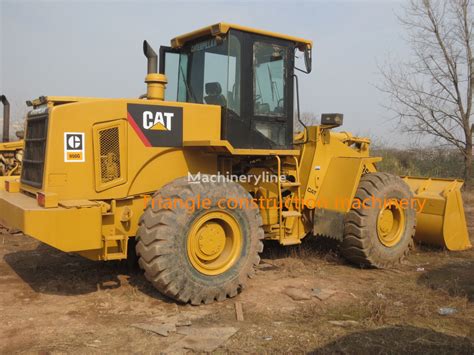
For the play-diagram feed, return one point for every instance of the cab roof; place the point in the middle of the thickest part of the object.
(223, 28)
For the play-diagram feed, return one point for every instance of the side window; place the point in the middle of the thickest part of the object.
(233, 81)
(176, 74)
(215, 78)
(183, 89)
(172, 74)
(220, 84)
(269, 62)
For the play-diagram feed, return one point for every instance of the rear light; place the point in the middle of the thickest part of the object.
(41, 199)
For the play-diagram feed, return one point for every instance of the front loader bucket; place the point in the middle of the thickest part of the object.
(441, 219)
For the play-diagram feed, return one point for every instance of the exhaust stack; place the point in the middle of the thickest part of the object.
(6, 118)
(156, 83)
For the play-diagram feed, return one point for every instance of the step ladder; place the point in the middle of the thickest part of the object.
(115, 247)
(285, 215)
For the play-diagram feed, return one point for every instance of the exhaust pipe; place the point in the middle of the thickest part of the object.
(156, 83)
(152, 58)
(6, 118)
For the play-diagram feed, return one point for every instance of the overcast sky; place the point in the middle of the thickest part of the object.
(94, 48)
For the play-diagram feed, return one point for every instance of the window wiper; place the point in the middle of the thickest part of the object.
(188, 89)
(271, 82)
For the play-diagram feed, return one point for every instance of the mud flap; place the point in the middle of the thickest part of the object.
(440, 216)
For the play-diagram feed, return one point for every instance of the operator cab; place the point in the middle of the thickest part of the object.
(249, 73)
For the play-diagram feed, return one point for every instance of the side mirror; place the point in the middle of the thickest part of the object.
(308, 59)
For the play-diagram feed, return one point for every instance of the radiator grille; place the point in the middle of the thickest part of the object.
(109, 154)
(35, 150)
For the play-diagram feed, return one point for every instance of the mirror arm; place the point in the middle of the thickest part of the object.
(295, 77)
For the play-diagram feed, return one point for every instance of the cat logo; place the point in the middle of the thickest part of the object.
(160, 121)
(157, 126)
(74, 151)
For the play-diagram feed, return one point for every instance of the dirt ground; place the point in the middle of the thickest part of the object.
(52, 302)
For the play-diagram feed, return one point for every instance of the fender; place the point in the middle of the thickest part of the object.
(337, 192)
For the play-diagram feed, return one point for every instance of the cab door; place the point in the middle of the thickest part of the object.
(272, 94)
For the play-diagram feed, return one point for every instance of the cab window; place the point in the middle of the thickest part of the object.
(209, 73)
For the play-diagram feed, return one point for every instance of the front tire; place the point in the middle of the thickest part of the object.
(203, 255)
(379, 236)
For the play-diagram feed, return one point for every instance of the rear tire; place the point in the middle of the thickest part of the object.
(199, 256)
(379, 237)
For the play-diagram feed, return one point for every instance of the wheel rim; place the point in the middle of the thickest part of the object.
(390, 224)
(214, 243)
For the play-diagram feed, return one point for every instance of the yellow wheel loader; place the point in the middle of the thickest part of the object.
(193, 178)
(11, 153)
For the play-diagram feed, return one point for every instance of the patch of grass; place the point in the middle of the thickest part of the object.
(356, 311)
(429, 162)
(377, 311)
(310, 247)
(468, 197)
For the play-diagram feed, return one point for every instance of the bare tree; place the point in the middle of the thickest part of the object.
(432, 92)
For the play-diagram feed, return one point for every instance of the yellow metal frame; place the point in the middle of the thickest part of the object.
(223, 27)
(67, 229)
(3, 179)
(225, 147)
(11, 146)
(332, 164)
